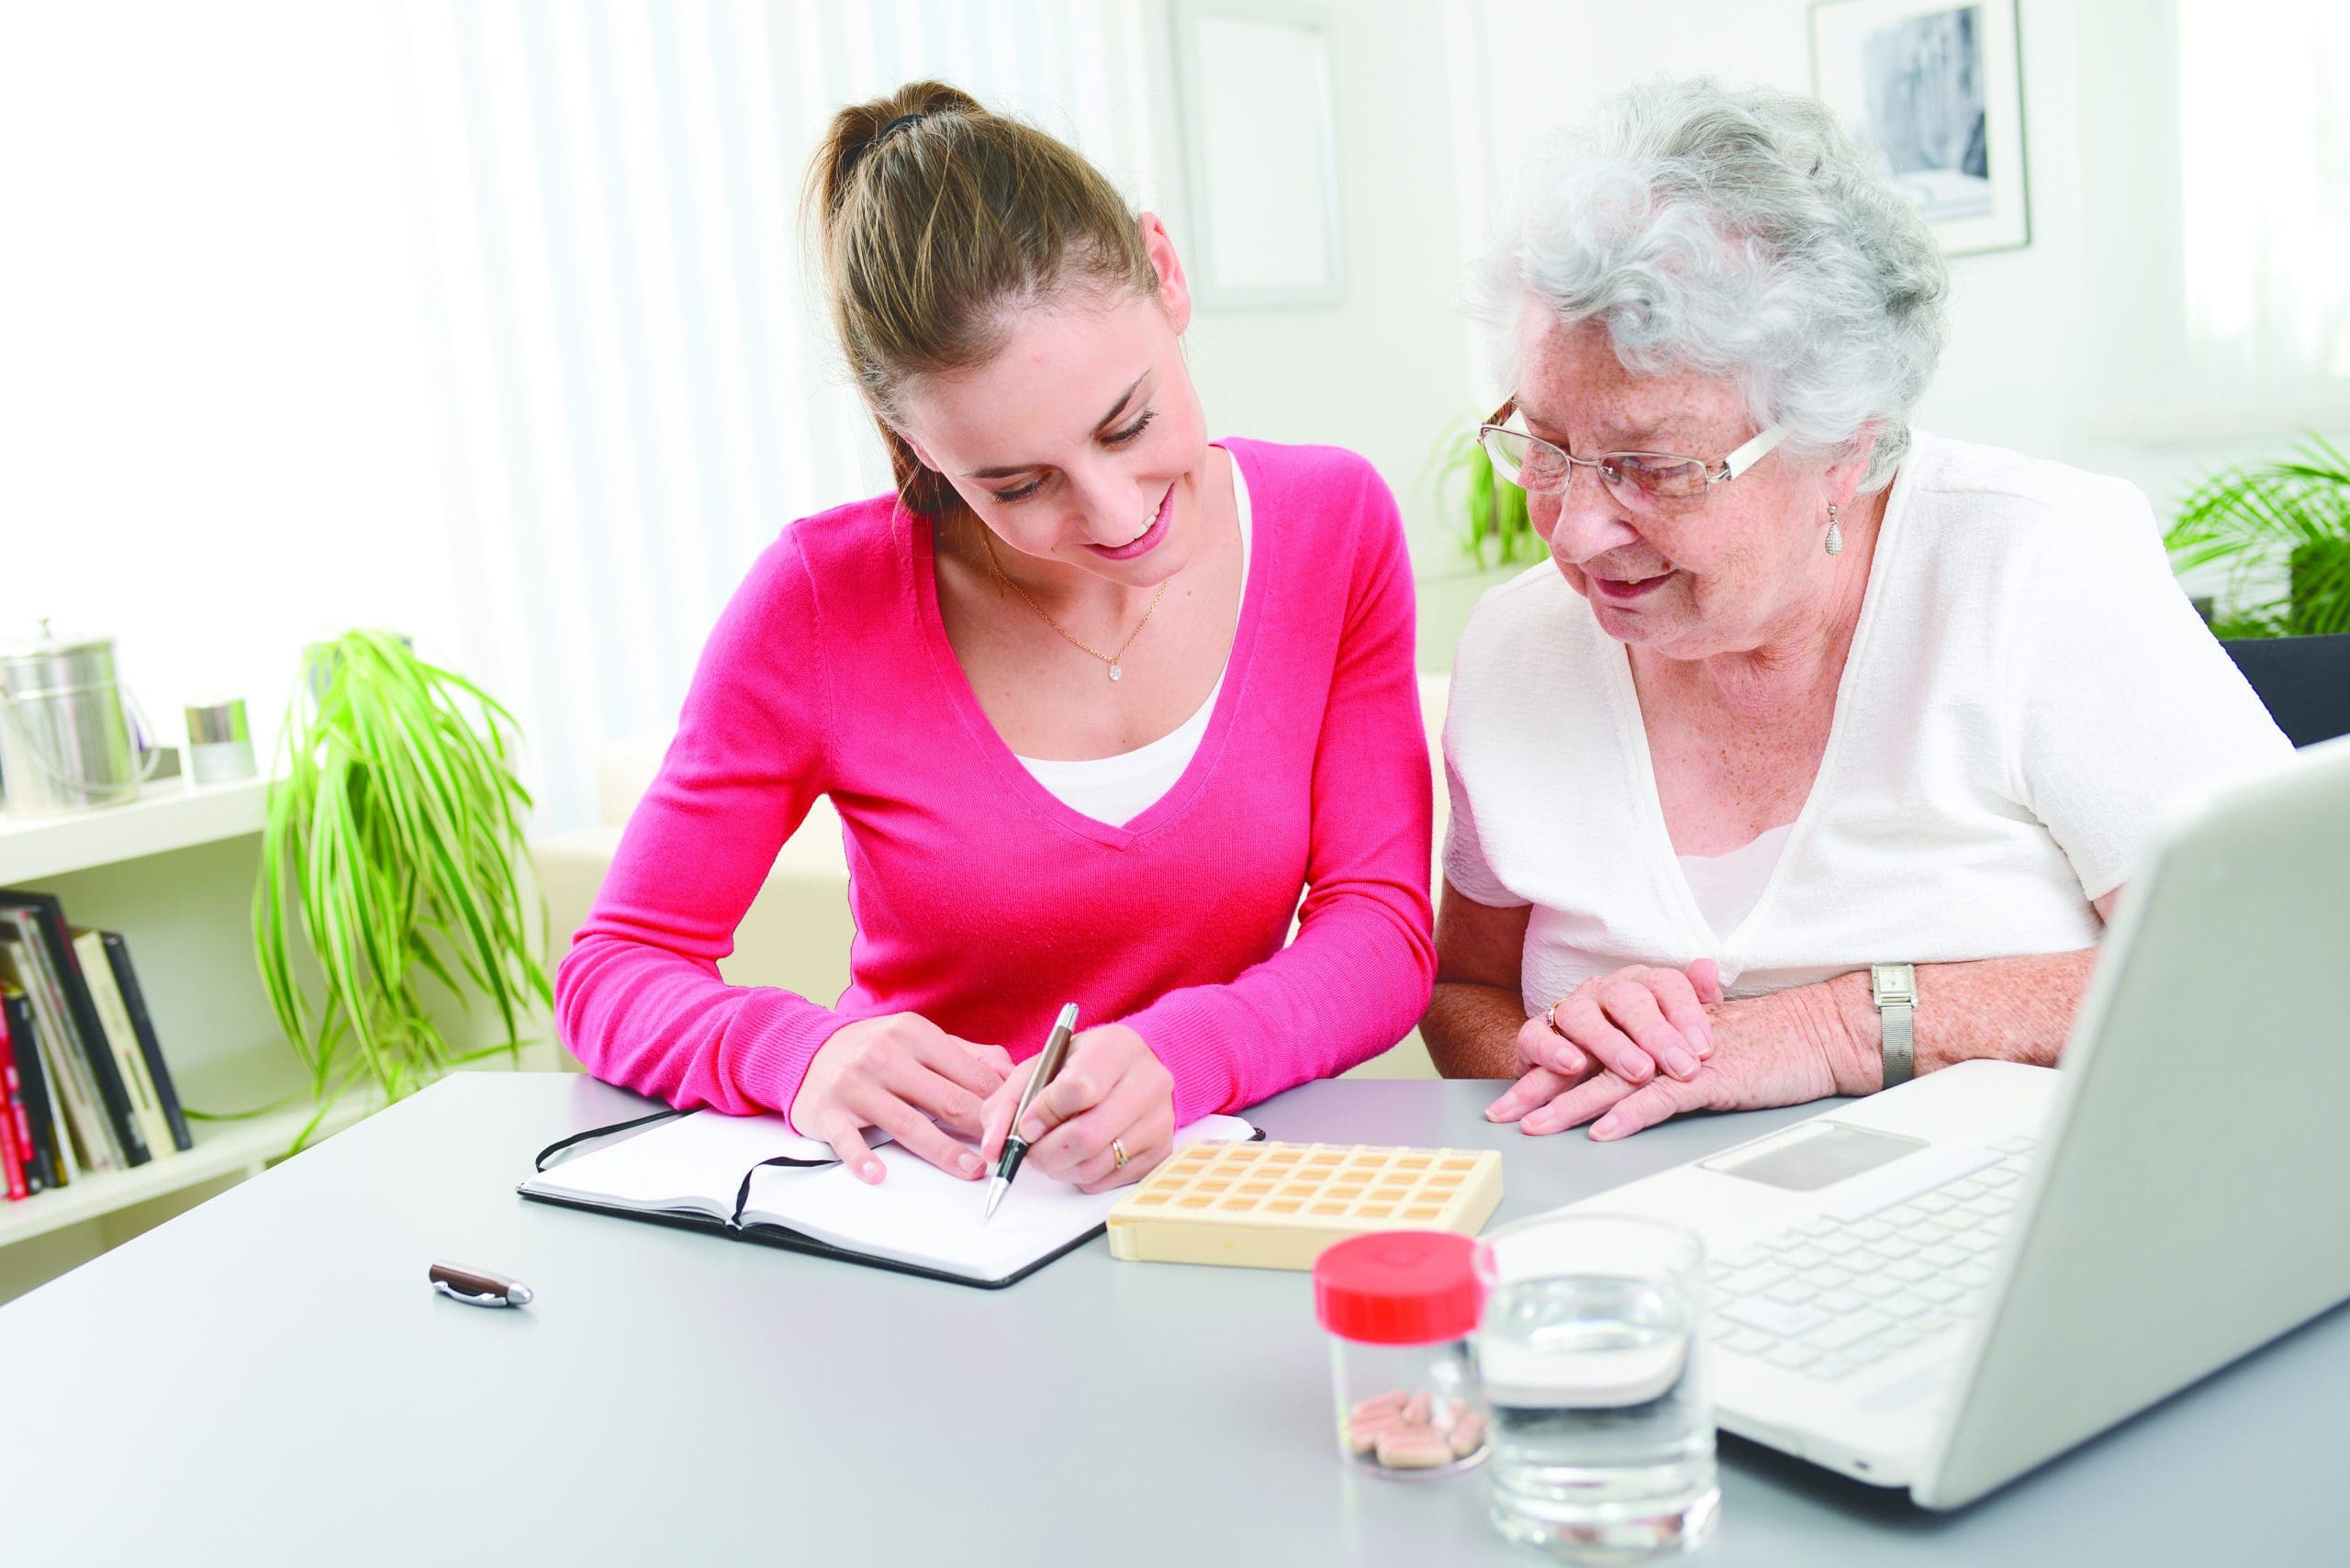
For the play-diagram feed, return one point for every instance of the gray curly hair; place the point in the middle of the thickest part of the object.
(1736, 232)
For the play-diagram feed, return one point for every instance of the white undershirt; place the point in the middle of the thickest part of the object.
(1727, 886)
(1116, 789)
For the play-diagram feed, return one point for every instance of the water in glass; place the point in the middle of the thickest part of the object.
(1602, 1429)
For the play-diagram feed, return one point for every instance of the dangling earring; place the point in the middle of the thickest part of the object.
(1835, 534)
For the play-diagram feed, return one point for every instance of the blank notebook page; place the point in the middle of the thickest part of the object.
(922, 1216)
(695, 1163)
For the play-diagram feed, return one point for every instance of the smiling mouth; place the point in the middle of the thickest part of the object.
(1144, 541)
(1619, 589)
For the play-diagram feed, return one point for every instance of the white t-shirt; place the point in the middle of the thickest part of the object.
(2026, 691)
(1116, 789)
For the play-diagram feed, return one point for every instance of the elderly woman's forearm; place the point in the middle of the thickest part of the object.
(1472, 1030)
(2018, 1009)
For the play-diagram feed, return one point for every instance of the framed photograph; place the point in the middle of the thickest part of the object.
(1936, 88)
(1260, 160)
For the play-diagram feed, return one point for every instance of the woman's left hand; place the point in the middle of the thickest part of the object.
(1112, 1096)
(1768, 1051)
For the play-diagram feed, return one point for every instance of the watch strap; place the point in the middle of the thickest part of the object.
(1894, 988)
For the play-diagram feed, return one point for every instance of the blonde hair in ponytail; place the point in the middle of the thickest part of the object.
(936, 220)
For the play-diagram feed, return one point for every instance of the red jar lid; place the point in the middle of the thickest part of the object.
(1398, 1287)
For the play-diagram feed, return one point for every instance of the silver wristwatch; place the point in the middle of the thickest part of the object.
(1894, 988)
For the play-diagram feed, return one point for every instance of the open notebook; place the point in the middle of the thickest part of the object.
(752, 1179)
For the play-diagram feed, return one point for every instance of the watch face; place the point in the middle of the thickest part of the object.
(1884, 976)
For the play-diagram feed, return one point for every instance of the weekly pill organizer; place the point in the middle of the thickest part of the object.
(1277, 1205)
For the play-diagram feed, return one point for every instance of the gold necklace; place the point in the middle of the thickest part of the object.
(1117, 670)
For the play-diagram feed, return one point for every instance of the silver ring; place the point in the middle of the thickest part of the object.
(1117, 1155)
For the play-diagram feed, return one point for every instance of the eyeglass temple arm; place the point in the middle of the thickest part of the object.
(1753, 452)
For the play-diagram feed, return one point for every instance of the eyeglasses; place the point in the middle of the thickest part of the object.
(1645, 481)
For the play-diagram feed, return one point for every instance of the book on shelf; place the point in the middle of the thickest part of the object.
(122, 1038)
(19, 1154)
(84, 1144)
(83, 1084)
(35, 925)
(15, 1168)
(151, 1049)
(39, 1130)
(12, 1164)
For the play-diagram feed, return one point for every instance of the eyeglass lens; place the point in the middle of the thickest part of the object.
(1633, 476)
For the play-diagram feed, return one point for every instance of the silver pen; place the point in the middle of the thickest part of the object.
(1015, 1148)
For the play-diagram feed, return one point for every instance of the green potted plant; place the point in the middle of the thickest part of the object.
(1486, 507)
(393, 851)
(2282, 530)
(2260, 516)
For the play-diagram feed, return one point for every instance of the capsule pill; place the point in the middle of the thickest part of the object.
(1414, 1447)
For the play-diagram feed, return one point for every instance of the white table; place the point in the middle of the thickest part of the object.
(270, 1380)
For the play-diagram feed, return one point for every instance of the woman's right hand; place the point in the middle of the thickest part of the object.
(1633, 1023)
(908, 1077)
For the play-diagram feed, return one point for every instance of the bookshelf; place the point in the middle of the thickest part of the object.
(173, 871)
(166, 816)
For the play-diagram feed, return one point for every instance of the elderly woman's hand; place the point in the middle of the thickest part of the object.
(1631, 1024)
(1768, 1051)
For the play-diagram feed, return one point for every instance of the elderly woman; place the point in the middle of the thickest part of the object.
(1820, 750)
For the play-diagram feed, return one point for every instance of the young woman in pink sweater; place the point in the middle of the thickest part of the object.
(1095, 700)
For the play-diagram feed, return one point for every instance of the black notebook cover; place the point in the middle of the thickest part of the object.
(43, 1169)
(50, 920)
(151, 1049)
(792, 1241)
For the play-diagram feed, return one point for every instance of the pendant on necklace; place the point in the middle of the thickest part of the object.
(1117, 672)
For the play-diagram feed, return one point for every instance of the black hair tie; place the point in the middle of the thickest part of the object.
(882, 136)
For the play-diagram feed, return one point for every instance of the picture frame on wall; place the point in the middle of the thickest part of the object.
(1260, 160)
(1936, 88)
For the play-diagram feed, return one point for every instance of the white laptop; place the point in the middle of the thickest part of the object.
(1943, 1285)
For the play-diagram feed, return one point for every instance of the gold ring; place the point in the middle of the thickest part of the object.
(1117, 1155)
(1551, 1018)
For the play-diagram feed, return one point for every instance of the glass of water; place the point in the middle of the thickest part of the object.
(1591, 1352)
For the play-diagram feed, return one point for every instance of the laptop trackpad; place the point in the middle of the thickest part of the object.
(1928, 1385)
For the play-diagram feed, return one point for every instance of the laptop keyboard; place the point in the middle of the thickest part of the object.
(1893, 1263)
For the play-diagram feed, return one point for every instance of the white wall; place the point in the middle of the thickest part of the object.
(1381, 369)
(213, 439)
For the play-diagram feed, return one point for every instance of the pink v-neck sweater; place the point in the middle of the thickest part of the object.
(983, 903)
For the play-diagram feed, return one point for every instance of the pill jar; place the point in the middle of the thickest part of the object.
(1401, 1307)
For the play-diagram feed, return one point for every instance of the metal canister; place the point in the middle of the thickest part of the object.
(65, 743)
(219, 743)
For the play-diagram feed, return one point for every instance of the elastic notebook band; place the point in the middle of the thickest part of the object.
(743, 1193)
(561, 1144)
